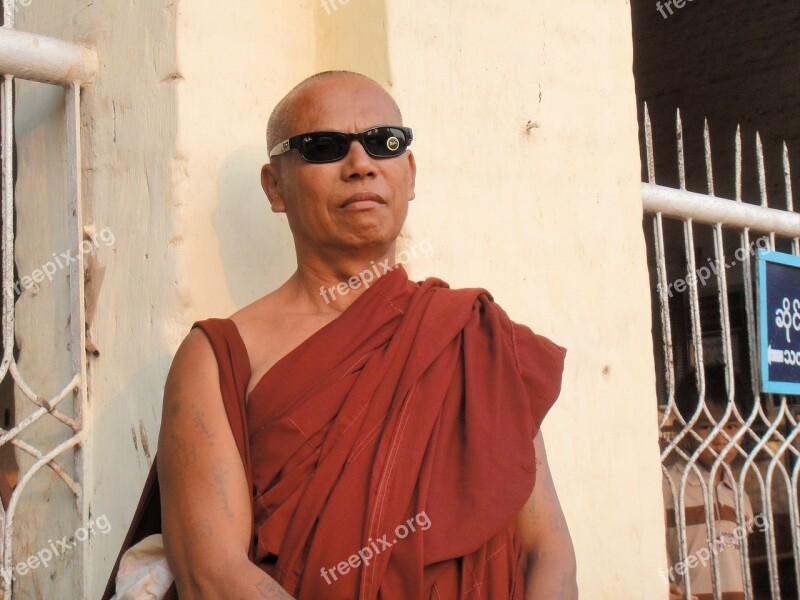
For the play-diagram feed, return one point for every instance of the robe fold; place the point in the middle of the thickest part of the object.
(392, 450)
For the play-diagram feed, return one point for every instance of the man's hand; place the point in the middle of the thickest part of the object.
(205, 503)
(551, 572)
(676, 592)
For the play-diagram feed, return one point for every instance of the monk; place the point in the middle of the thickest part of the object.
(392, 426)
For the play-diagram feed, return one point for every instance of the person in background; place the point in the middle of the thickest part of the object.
(729, 533)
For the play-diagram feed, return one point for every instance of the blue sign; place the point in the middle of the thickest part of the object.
(779, 321)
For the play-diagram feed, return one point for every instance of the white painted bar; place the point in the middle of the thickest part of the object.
(681, 204)
(45, 59)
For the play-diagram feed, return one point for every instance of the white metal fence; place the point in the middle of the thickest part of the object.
(703, 278)
(49, 61)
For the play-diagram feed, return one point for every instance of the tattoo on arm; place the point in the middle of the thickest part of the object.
(220, 481)
(557, 524)
(564, 586)
(184, 453)
(201, 530)
(270, 590)
(199, 417)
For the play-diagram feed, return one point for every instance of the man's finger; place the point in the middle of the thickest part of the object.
(676, 592)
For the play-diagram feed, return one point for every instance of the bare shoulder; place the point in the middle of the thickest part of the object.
(266, 309)
(260, 325)
(194, 363)
(273, 326)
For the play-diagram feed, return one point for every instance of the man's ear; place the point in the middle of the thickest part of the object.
(412, 173)
(270, 183)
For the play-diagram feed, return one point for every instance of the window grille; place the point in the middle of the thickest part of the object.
(47, 61)
(709, 244)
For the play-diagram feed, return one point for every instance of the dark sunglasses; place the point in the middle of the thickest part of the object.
(330, 146)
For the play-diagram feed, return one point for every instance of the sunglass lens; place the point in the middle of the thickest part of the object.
(324, 147)
(384, 142)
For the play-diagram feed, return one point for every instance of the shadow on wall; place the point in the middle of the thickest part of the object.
(255, 244)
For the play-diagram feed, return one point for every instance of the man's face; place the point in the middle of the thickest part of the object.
(357, 202)
(703, 428)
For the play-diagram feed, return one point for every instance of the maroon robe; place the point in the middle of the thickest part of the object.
(417, 400)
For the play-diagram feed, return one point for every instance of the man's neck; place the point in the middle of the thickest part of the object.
(707, 469)
(333, 285)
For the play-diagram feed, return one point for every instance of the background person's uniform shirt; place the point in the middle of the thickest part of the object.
(726, 545)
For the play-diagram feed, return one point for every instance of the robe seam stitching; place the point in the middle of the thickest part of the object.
(305, 437)
(477, 584)
(354, 365)
(356, 417)
(401, 428)
(391, 303)
(363, 444)
(488, 558)
(514, 345)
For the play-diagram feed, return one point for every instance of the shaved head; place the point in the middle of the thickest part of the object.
(283, 117)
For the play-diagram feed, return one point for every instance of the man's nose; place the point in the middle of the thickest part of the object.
(357, 162)
(722, 437)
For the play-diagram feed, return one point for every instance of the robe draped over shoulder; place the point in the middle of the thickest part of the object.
(402, 429)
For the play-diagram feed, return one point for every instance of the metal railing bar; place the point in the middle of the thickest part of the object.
(45, 59)
(700, 208)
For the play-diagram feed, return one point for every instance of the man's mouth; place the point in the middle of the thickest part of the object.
(362, 201)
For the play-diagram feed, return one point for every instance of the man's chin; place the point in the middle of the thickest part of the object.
(708, 462)
(373, 238)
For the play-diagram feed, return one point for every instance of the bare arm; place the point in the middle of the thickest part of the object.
(206, 511)
(552, 570)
